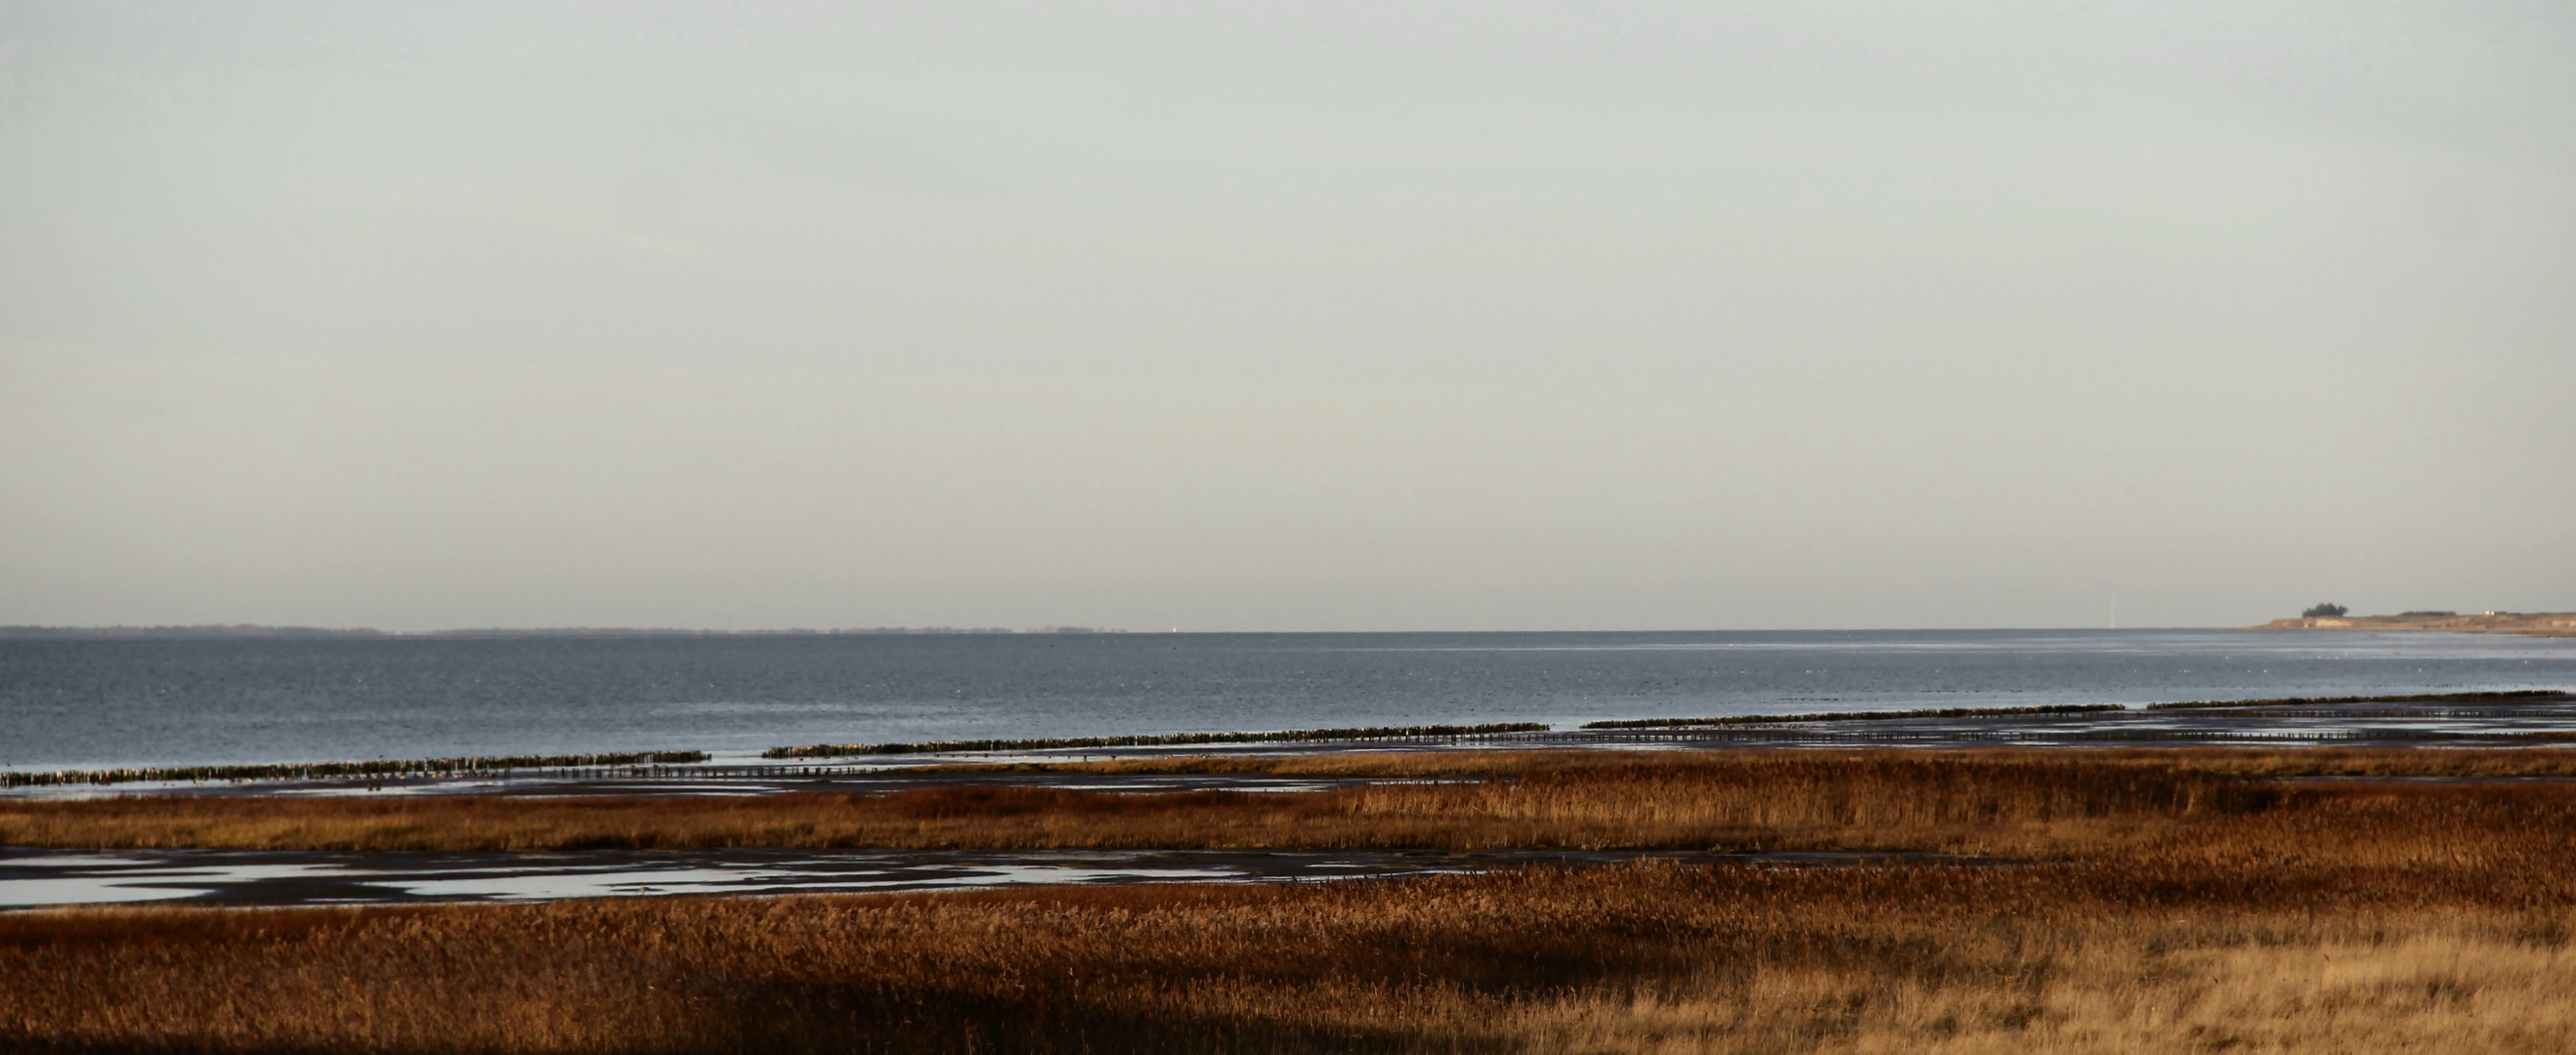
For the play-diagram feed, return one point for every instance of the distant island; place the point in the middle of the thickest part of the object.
(246, 630)
(2528, 624)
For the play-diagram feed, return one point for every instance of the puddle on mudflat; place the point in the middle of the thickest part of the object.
(257, 877)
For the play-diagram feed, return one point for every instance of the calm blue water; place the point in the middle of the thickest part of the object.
(159, 702)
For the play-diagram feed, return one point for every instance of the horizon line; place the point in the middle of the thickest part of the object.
(273, 631)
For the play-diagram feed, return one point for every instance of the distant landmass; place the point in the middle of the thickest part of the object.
(2528, 624)
(246, 630)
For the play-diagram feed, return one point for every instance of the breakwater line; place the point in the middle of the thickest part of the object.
(942, 747)
(414, 767)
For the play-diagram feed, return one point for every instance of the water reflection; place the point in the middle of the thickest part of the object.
(250, 877)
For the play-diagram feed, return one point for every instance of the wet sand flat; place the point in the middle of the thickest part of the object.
(1100, 781)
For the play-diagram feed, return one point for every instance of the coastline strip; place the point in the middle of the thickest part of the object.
(322, 770)
(1856, 716)
(941, 747)
(2516, 696)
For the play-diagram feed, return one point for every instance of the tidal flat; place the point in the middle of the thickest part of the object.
(2088, 900)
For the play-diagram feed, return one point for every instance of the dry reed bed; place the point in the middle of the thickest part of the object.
(2182, 911)
(1668, 801)
(2078, 958)
(2010, 803)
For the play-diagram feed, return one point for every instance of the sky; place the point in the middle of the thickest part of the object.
(1285, 316)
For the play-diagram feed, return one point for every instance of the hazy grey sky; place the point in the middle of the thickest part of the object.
(1284, 316)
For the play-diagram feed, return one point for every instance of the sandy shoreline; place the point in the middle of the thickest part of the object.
(2522, 624)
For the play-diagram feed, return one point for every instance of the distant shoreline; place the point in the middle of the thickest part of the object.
(2525, 624)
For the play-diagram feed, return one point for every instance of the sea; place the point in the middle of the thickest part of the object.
(95, 703)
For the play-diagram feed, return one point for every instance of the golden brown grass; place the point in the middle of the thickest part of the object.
(1732, 801)
(2177, 911)
(2003, 802)
(2093, 958)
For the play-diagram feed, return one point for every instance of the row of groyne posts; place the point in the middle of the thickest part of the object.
(877, 763)
(1574, 737)
(265, 774)
(388, 772)
(880, 762)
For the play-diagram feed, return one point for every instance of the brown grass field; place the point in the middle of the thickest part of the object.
(2157, 901)
(2018, 803)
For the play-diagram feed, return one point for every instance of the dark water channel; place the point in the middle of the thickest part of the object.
(257, 877)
